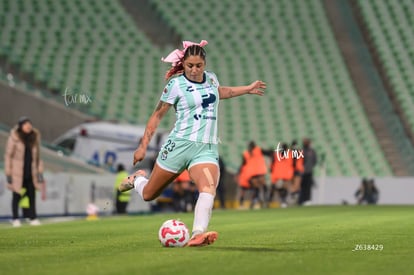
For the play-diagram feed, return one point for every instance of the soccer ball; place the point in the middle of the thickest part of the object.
(173, 233)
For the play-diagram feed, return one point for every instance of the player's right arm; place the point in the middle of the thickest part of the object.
(152, 125)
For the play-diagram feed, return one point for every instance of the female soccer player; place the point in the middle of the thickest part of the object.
(192, 144)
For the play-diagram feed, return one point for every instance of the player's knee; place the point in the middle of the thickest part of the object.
(209, 183)
(211, 189)
(148, 196)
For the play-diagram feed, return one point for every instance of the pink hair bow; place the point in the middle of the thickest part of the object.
(177, 55)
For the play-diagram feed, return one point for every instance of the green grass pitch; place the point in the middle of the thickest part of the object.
(308, 240)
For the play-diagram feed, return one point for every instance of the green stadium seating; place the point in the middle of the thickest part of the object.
(390, 25)
(95, 45)
(309, 89)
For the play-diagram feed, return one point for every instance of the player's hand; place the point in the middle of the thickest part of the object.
(257, 87)
(139, 155)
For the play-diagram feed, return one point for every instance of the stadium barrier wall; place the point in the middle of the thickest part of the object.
(69, 194)
(340, 190)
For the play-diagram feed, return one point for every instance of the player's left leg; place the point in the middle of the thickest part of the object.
(205, 176)
(128, 182)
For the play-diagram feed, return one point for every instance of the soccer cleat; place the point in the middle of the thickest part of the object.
(128, 183)
(35, 222)
(203, 239)
(16, 223)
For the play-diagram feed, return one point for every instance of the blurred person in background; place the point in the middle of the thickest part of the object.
(298, 169)
(24, 170)
(244, 185)
(281, 174)
(184, 193)
(121, 198)
(367, 193)
(255, 169)
(309, 162)
(221, 190)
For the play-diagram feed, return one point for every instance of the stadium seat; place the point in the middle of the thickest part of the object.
(390, 26)
(95, 45)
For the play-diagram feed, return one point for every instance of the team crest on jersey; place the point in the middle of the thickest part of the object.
(164, 154)
(213, 82)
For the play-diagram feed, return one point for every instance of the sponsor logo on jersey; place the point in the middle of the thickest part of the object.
(198, 116)
(207, 100)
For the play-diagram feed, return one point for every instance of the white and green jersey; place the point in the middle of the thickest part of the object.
(196, 107)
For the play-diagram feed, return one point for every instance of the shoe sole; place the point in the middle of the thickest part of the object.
(203, 240)
(125, 186)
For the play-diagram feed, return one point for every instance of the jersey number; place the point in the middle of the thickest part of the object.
(170, 145)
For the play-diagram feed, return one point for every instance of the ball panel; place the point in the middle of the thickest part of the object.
(173, 233)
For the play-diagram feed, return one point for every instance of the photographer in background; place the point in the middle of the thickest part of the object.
(367, 193)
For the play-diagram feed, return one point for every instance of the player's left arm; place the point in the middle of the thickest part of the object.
(255, 88)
